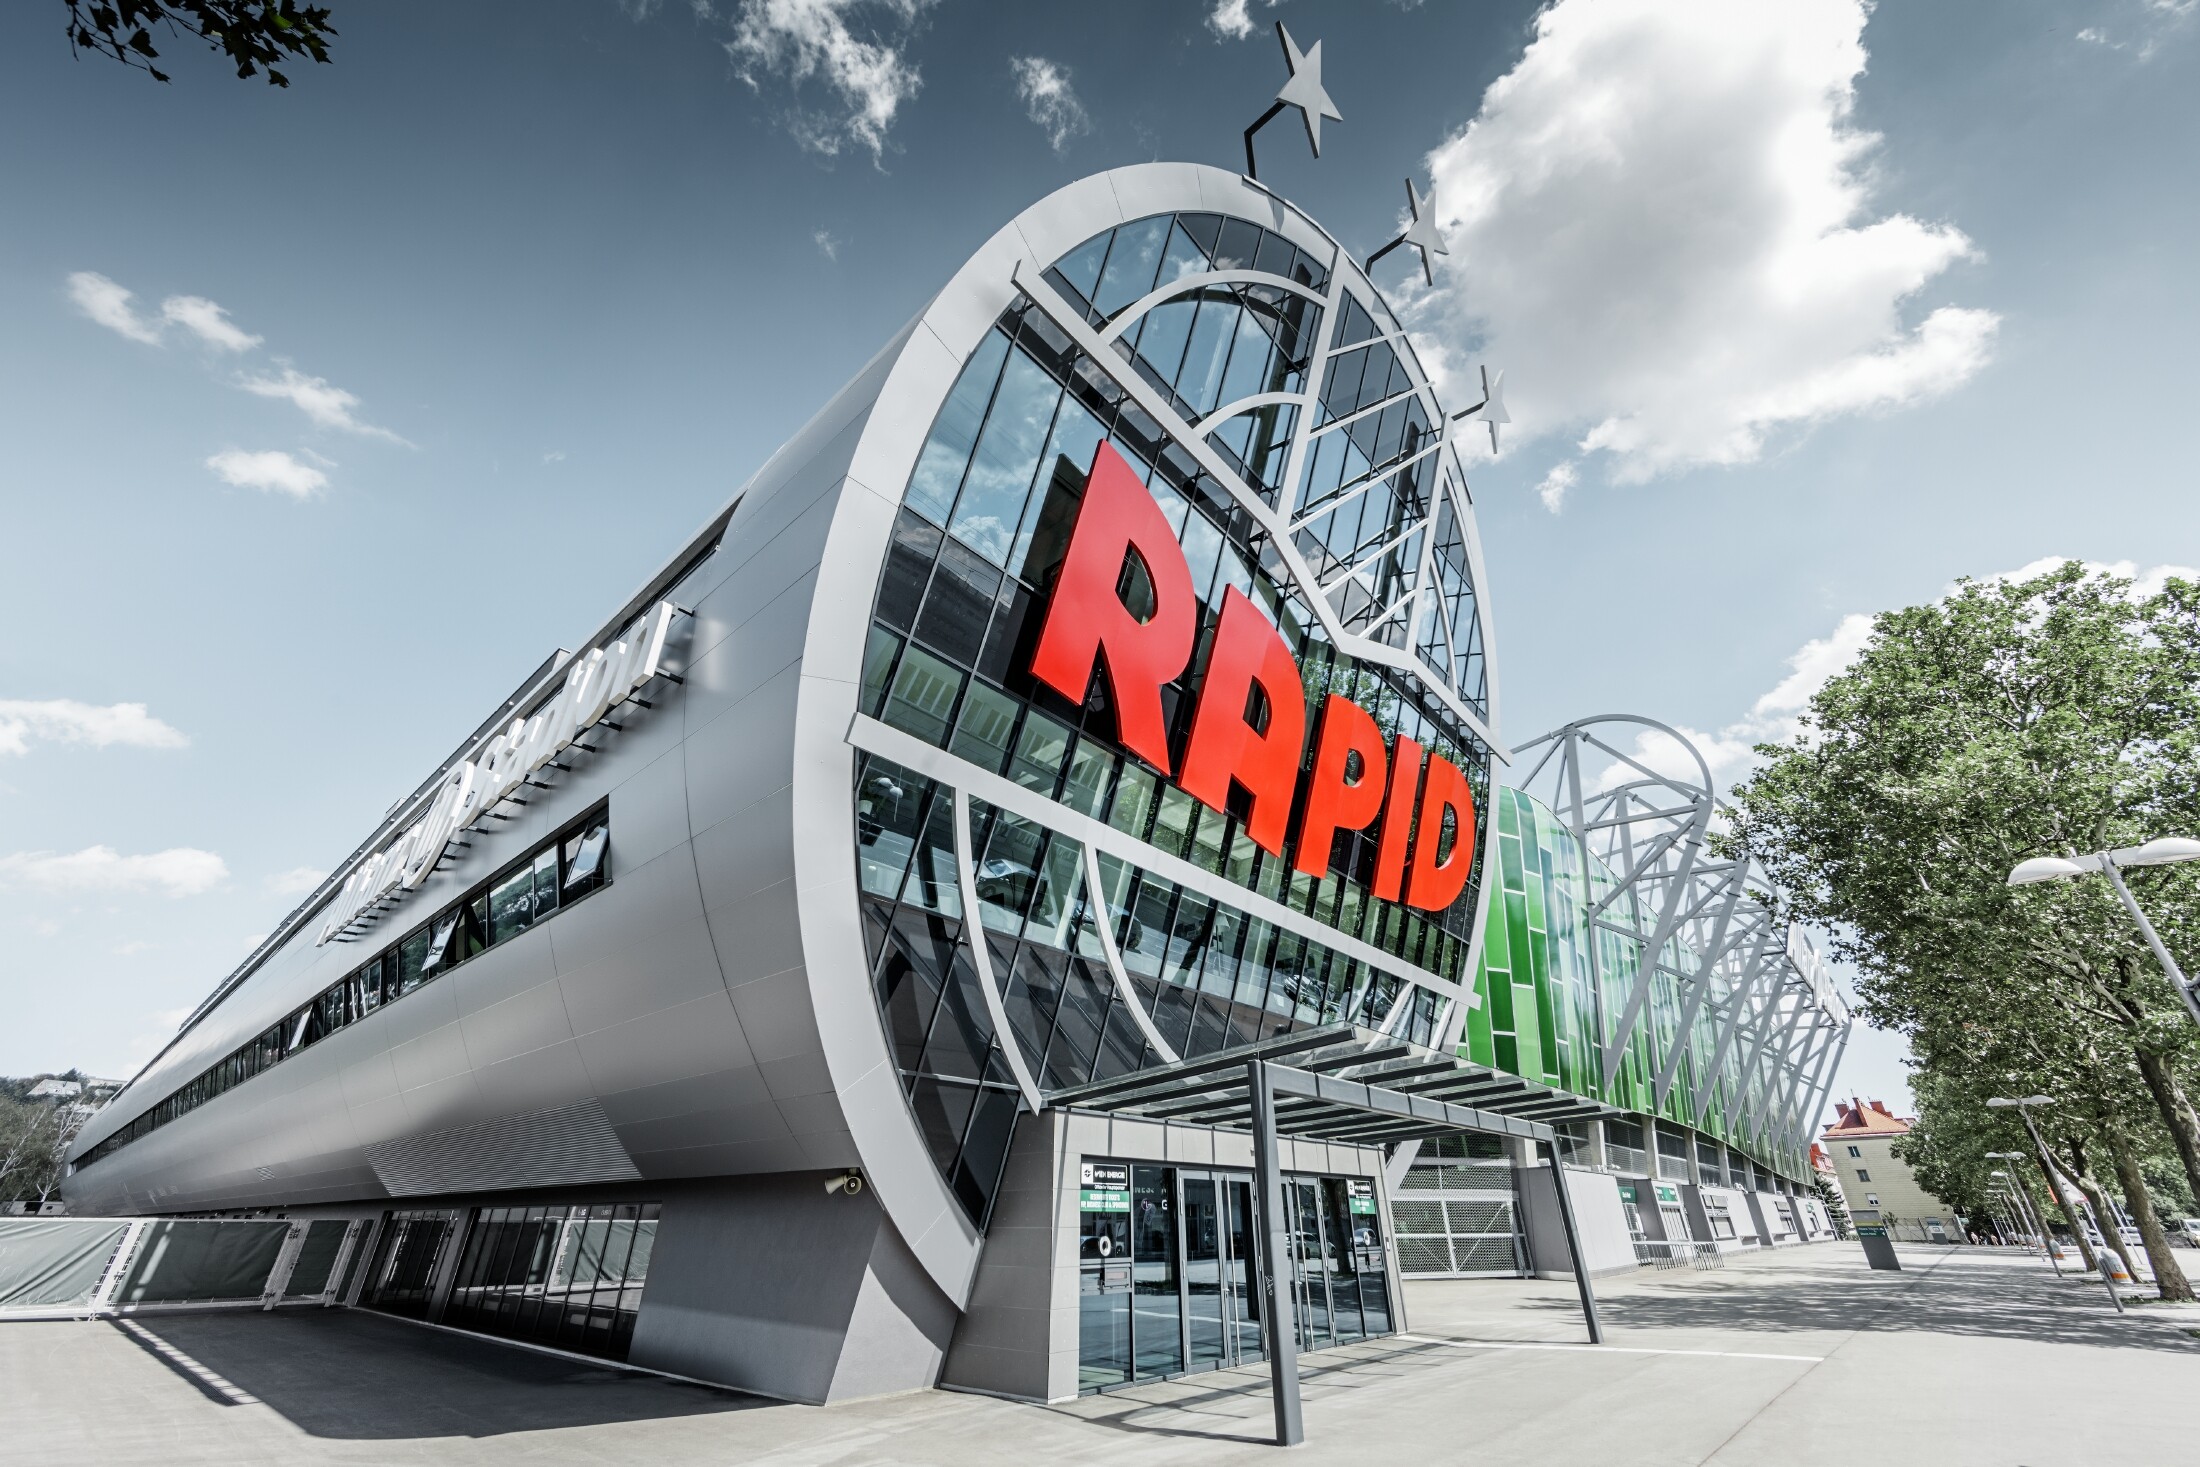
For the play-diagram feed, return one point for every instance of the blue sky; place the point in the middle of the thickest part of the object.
(427, 361)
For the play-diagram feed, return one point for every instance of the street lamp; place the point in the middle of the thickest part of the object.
(2165, 850)
(2023, 1108)
(2031, 1217)
(2022, 1199)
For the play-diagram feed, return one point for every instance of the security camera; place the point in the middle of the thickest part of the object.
(849, 1181)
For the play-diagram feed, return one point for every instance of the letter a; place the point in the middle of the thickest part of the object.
(1333, 803)
(1248, 652)
(1087, 620)
(1429, 886)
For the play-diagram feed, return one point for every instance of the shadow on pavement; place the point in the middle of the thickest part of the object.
(350, 1374)
(1954, 1296)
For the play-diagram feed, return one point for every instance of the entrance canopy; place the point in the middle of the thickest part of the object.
(1339, 1083)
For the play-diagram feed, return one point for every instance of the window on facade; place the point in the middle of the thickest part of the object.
(557, 873)
(1856, 1151)
(1863, 1175)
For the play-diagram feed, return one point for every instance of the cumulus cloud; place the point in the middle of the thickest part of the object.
(328, 405)
(1552, 491)
(1230, 20)
(869, 75)
(101, 870)
(66, 721)
(271, 469)
(109, 304)
(207, 321)
(1660, 224)
(828, 243)
(295, 882)
(1043, 87)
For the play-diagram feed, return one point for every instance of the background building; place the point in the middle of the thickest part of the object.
(831, 978)
(1878, 1185)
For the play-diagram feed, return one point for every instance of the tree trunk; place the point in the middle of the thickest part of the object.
(2070, 1215)
(2177, 1113)
(2169, 1279)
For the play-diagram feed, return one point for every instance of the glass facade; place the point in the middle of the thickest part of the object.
(986, 519)
(570, 1277)
(559, 872)
(1543, 1011)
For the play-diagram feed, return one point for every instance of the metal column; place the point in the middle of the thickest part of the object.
(1278, 1298)
(1573, 1246)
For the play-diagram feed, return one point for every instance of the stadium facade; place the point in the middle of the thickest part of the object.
(1102, 683)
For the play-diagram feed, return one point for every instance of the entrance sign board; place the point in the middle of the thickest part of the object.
(595, 683)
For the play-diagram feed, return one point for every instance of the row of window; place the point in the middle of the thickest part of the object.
(559, 872)
(909, 688)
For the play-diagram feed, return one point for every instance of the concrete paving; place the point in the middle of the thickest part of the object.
(1800, 1358)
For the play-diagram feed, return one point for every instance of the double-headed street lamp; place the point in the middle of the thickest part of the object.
(2165, 850)
(2023, 1108)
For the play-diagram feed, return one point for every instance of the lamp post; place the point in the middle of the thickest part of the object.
(2023, 1108)
(2165, 850)
(2030, 1215)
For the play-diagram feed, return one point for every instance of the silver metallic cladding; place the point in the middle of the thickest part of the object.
(714, 998)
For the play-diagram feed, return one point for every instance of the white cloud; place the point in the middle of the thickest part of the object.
(800, 39)
(180, 872)
(109, 304)
(1552, 491)
(295, 882)
(1043, 87)
(328, 405)
(208, 321)
(1659, 225)
(66, 721)
(828, 243)
(1230, 20)
(270, 469)
(1810, 668)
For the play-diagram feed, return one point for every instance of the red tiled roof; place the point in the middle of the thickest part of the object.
(1859, 1117)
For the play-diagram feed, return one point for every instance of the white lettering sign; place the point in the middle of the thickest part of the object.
(595, 683)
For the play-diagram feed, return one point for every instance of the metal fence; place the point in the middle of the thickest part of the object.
(1685, 1253)
(78, 1268)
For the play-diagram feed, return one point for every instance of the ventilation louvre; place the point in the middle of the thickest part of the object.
(545, 1148)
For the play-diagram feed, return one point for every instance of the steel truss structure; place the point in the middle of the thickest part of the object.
(1710, 1011)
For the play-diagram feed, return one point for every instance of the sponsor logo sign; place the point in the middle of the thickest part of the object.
(595, 683)
(1357, 782)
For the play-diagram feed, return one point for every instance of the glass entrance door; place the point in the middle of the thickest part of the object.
(1167, 1275)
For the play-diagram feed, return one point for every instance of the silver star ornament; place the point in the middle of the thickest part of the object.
(1304, 89)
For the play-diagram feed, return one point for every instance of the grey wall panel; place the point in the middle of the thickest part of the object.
(538, 1079)
(652, 806)
(699, 1037)
(705, 1090)
(775, 1015)
(709, 1312)
(755, 1120)
(749, 850)
(430, 1058)
(517, 1024)
(487, 981)
(742, 755)
(899, 1328)
(759, 936)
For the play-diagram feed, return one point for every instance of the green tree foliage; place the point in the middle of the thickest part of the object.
(2060, 714)
(253, 34)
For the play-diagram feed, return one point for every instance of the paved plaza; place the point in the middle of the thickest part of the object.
(1800, 1357)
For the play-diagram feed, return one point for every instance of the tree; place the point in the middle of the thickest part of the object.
(1829, 1197)
(254, 34)
(2056, 714)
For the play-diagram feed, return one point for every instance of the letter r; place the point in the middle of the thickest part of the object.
(1088, 622)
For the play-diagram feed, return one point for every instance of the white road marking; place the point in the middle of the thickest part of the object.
(1603, 1349)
